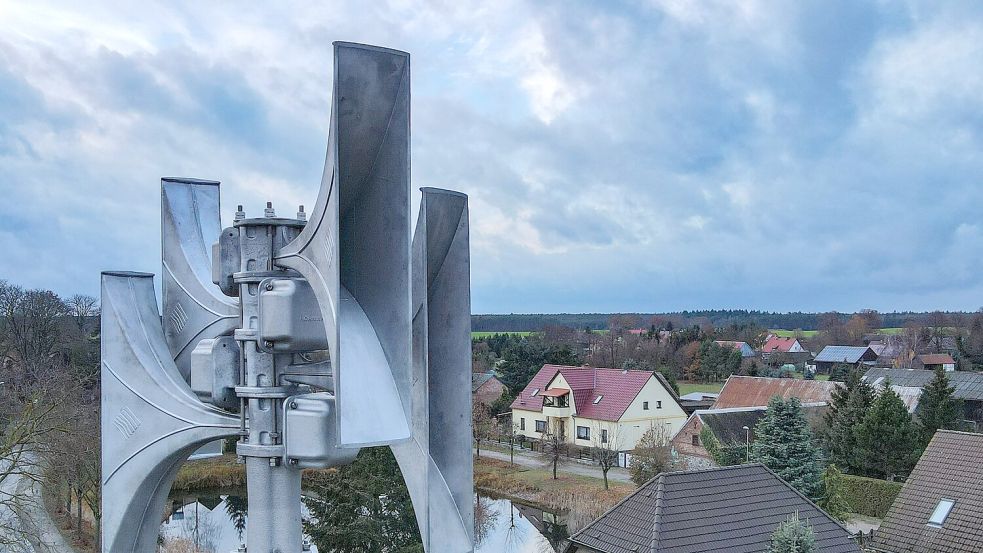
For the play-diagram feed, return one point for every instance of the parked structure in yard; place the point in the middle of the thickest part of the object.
(728, 427)
(781, 344)
(756, 391)
(858, 356)
(968, 387)
(932, 361)
(590, 406)
(718, 510)
(743, 347)
(485, 388)
(940, 507)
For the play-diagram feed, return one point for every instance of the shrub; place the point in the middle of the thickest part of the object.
(869, 496)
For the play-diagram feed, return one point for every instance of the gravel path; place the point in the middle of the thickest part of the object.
(26, 519)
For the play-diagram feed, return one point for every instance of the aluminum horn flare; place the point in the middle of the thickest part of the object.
(194, 308)
(437, 463)
(151, 420)
(358, 240)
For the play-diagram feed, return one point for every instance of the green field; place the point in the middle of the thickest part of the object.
(690, 387)
(479, 335)
(811, 333)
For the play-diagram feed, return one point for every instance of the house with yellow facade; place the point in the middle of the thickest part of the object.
(590, 407)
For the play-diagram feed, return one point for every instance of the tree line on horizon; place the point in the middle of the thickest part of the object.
(806, 321)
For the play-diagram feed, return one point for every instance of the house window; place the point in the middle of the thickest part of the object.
(583, 433)
(604, 436)
(658, 405)
(696, 440)
(645, 406)
(598, 399)
(541, 426)
(522, 423)
(941, 512)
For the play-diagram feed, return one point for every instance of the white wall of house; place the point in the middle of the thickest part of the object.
(796, 348)
(654, 405)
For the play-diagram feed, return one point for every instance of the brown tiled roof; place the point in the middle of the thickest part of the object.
(936, 359)
(951, 469)
(730, 509)
(754, 391)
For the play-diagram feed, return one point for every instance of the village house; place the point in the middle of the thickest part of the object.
(757, 391)
(941, 504)
(485, 388)
(743, 347)
(932, 361)
(733, 428)
(781, 344)
(856, 356)
(967, 385)
(589, 406)
(731, 509)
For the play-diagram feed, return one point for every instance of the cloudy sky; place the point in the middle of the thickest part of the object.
(649, 155)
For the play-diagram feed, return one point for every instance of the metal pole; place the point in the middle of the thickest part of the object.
(274, 524)
(747, 444)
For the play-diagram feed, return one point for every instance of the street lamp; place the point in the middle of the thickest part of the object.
(747, 444)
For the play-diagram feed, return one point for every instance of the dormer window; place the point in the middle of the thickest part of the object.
(598, 399)
(941, 512)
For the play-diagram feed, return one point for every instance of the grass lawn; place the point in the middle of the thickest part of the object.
(690, 387)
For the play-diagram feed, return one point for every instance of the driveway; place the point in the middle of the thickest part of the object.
(566, 466)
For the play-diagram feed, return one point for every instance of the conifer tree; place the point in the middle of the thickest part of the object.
(888, 440)
(793, 536)
(850, 404)
(833, 500)
(937, 409)
(783, 443)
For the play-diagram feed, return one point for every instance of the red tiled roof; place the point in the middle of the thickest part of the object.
(936, 359)
(778, 343)
(753, 391)
(730, 344)
(618, 388)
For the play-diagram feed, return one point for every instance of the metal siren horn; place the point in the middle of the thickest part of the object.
(195, 309)
(437, 463)
(355, 250)
(151, 420)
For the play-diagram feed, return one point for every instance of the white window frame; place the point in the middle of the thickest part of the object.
(586, 433)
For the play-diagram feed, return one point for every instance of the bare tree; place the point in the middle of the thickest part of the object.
(605, 448)
(482, 424)
(553, 447)
(652, 455)
(29, 321)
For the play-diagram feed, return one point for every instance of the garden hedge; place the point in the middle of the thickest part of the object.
(869, 496)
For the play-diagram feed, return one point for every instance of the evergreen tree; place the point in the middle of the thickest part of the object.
(364, 506)
(833, 500)
(840, 372)
(887, 439)
(850, 404)
(793, 536)
(937, 409)
(783, 443)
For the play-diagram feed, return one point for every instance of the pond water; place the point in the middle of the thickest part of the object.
(215, 523)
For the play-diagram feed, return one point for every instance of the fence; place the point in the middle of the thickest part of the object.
(577, 453)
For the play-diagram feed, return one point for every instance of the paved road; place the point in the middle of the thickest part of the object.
(567, 466)
(24, 519)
